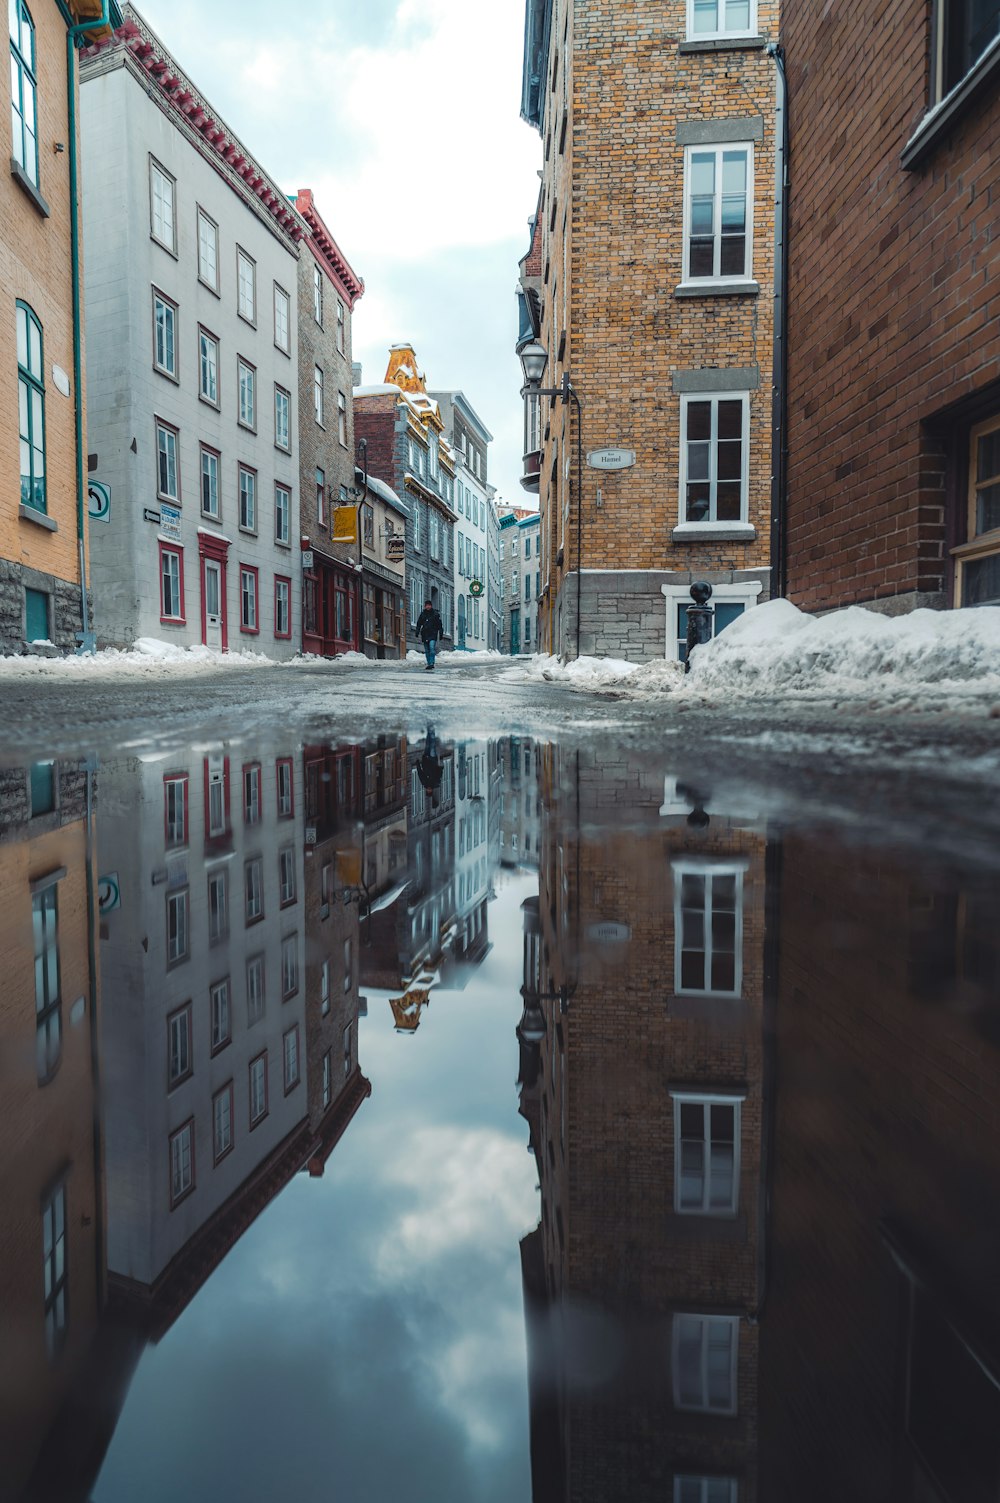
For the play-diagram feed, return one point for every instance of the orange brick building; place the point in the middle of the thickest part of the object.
(649, 283)
(42, 428)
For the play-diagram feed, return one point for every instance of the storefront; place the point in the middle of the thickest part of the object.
(331, 605)
(383, 613)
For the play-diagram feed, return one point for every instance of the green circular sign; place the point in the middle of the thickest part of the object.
(476, 587)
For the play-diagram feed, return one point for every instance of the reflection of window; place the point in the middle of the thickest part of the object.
(179, 1064)
(54, 1264)
(221, 1015)
(255, 990)
(290, 1046)
(347, 1050)
(258, 1088)
(286, 876)
(704, 1362)
(327, 1078)
(48, 1014)
(253, 881)
(175, 810)
(706, 1490)
(718, 213)
(181, 1162)
(222, 1121)
(215, 782)
(324, 989)
(289, 967)
(285, 790)
(708, 929)
(706, 1155)
(218, 906)
(347, 965)
(177, 926)
(251, 794)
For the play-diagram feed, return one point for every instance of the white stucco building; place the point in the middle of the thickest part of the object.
(470, 439)
(520, 574)
(191, 271)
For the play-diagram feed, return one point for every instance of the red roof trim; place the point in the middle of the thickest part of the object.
(327, 251)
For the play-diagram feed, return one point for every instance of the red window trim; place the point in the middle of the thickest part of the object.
(283, 636)
(250, 631)
(186, 1007)
(217, 1158)
(255, 1122)
(249, 767)
(175, 1201)
(290, 764)
(177, 549)
(298, 1059)
(176, 777)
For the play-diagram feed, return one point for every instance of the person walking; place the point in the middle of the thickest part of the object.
(429, 628)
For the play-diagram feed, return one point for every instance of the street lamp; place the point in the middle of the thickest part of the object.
(534, 358)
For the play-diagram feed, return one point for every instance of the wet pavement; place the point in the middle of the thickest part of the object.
(285, 1008)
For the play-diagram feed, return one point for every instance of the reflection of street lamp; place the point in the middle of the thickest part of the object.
(534, 358)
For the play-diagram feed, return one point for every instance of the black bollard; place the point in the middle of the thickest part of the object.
(699, 619)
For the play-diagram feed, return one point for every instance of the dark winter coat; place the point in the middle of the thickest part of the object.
(429, 625)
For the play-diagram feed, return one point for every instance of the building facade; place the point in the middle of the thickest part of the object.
(191, 294)
(43, 540)
(893, 487)
(649, 285)
(383, 577)
(470, 439)
(328, 290)
(403, 431)
(520, 542)
(493, 602)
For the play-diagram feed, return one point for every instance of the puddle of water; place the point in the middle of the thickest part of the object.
(276, 1029)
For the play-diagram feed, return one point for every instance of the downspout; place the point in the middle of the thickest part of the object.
(88, 640)
(779, 405)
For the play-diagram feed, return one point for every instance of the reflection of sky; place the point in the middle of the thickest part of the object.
(365, 1339)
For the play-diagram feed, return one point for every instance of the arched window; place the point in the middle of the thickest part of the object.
(31, 407)
(23, 88)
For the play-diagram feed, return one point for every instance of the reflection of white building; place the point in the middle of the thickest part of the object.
(520, 803)
(470, 439)
(203, 997)
(473, 868)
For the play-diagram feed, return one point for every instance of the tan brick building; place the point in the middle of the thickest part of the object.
(42, 428)
(643, 1083)
(649, 282)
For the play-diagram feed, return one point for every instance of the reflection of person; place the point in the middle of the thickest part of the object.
(429, 769)
(429, 628)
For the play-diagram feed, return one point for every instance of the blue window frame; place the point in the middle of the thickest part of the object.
(725, 614)
(31, 407)
(23, 89)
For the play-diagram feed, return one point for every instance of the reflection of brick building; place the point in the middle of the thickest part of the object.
(51, 1281)
(644, 1096)
(880, 1350)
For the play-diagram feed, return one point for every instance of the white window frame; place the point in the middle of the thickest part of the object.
(707, 1100)
(208, 274)
(289, 966)
(704, 1406)
(256, 999)
(222, 1123)
(170, 453)
(282, 324)
(693, 867)
(182, 1163)
(746, 594)
(318, 384)
(258, 1089)
(246, 386)
(178, 943)
(282, 514)
(342, 418)
(211, 472)
(221, 1016)
(253, 890)
(208, 365)
(247, 499)
(317, 295)
(282, 430)
(163, 225)
(286, 876)
(721, 33)
(341, 327)
(180, 1063)
(717, 279)
(704, 528)
(282, 607)
(290, 1053)
(171, 609)
(246, 282)
(167, 366)
(723, 1489)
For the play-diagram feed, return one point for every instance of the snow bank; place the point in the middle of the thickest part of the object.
(581, 673)
(147, 658)
(776, 648)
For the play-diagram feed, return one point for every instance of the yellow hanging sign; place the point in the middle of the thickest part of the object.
(345, 524)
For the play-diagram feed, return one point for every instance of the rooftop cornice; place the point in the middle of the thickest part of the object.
(153, 64)
(327, 251)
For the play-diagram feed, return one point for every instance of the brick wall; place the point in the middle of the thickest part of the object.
(320, 447)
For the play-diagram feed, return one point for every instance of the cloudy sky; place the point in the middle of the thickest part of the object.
(403, 117)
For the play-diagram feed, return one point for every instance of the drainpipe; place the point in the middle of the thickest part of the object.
(88, 640)
(779, 407)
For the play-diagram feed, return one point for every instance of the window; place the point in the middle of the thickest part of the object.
(161, 205)
(178, 914)
(714, 458)
(167, 470)
(248, 504)
(282, 418)
(208, 251)
(222, 1122)
(210, 484)
(258, 1089)
(181, 1162)
(289, 967)
(327, 1078)
(320, 497)
(48, 1009)
(434, 532)
(978, 560)
(208, 367)
(286, 875)
(290, 1048)
(248, 394)
(23, 90)
(724, 614)
(282, 607)
(341, 327)
(54, 1269)
(216, 796)
(164, 335)
(718, 213)
(706, 1155)
(527, 546)
(368, 522)
(221, 1015)
(342, 418)
(175, 811)
(347, 965)
(704, 1362)
(31, 407)
(255, 990)
(527, 587)
(721, 18)
(179, 1065)
(246, 286)
(251, 794)
(171, 584)
(324, 991)
(318, 295)
(527, 631)
(348, 1051)
(706, 1490)
(253, 885)
(286, 807)
(282, 319)
(318, 394)
(708, 930)
(282, 521)
(966, 29)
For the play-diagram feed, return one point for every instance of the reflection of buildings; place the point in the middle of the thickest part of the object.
(519, 803)
(642, 1081)
(51, 1278)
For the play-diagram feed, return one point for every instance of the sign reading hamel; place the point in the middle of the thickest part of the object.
(611, 459)
(345, 524)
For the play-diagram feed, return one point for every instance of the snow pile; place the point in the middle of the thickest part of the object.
(581, 673)
(852, 652)
(148, 657)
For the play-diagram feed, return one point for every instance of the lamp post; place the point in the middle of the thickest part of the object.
(363, 446)
(534, 358)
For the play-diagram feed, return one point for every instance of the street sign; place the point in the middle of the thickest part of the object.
(308, 562)
(170, 522)
(109, 893)
(611, 459)
(345, 524)
(98, 501)
(150, 515)
(395, 547)
(609, 933)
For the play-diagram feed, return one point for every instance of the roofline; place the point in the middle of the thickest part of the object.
(459, 399)
(332, 259)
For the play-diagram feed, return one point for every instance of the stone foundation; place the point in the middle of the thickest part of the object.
(64, 607)
(624, 614)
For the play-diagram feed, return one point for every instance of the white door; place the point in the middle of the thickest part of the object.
(212, 585)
